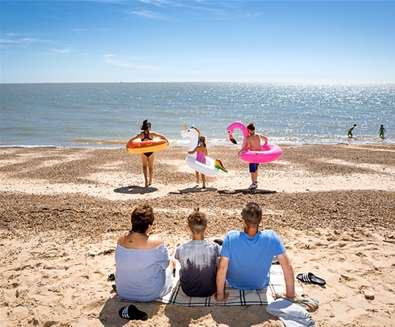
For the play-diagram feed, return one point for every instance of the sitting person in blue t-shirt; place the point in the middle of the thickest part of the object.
(246, 256)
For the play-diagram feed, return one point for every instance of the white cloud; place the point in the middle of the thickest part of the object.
(147, 14)
(158, 3)
(21, 41)
(61, 50)
(113, 60)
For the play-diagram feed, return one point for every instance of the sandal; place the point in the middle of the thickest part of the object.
(131, 312)
(367, 292)
(310, 278)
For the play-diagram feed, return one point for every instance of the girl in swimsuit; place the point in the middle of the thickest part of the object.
(148, 157)
(201, 153)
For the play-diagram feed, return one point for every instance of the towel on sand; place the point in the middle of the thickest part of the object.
(235, 297)
(291, 314)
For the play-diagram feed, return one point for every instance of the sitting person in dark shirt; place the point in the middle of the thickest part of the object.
(198, 259)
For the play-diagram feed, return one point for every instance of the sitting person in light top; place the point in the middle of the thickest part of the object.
(246, 256)
(142, 270)
(198, 259)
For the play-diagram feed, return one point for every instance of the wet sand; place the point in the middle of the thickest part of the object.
(61, 211)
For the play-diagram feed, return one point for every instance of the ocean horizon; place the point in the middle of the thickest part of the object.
(108, 114)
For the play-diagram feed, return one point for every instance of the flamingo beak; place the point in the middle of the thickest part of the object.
(231, 138)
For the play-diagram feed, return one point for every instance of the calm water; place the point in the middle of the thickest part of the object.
(71, 114)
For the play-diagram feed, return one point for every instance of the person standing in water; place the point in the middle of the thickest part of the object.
(201, 153)
(381, 132)
(253, 143)
(349, 133)
(148, 157)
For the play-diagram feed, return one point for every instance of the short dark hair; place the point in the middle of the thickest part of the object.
(251, 126)
(146, 124)
(142, 218)
(252, 214)
(197, 221)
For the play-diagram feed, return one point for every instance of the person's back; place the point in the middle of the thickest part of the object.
(198, 259)
(140, 273)
(141, 261)
(250, 258)
(246, 256)
(254, 142)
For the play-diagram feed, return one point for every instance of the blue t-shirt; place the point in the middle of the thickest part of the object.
(250, 258)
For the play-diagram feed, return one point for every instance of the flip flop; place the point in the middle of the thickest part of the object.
(130, 312)
(310, 278)
(367, 292)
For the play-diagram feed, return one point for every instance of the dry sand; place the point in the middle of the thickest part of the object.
(61, 211)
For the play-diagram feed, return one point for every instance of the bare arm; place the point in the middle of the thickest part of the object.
(245, 146)
(221, 277)
(264, 138)
(193, 151)
(138, 136)
(160, 136)
(288, 275)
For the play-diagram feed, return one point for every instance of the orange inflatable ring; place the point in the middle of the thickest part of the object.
(138, 146)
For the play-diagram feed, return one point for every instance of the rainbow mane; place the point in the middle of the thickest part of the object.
(218, 164)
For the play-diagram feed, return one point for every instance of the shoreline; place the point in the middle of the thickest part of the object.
(118, 144)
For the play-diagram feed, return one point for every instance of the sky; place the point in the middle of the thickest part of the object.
(335, 42)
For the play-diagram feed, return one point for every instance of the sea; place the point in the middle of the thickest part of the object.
(108, 114)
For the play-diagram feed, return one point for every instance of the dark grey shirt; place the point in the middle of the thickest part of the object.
(198, 261)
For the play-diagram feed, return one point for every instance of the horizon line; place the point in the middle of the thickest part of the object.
(212, 82)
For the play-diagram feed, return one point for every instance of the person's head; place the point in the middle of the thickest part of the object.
(251, 128)
(142, 218)
(146, 126)
(381, 126)
(355, 125)
(252, 215)
(197, 222)
(202, 140)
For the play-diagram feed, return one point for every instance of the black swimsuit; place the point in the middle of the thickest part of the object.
(147, 138)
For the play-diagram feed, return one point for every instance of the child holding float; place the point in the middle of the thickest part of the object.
(253, 143)
(201, 153)
(253, 151)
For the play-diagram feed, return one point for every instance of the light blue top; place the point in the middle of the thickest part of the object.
(140, 274)
(250, 258)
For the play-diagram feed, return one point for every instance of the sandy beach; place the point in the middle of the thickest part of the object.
(61, 211)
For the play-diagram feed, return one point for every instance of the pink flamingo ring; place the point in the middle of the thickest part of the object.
(268, 153)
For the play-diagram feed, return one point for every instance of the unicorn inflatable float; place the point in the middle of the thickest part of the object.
(268, 153)
(191, 140)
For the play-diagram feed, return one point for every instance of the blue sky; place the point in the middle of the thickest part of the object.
(197, 40)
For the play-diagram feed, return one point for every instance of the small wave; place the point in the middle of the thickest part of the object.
(99, 142)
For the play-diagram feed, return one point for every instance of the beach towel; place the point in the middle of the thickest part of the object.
(236, 297)
(290, 313)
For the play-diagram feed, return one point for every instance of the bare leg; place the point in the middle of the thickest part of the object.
(204, 181)
(150, 168)
(145, 168)
(197, 177)
(254, 177)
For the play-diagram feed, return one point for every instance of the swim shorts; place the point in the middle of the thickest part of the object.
(253, 167)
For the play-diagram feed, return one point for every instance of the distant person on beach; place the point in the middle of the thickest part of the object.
(142, 271)
(349, 133)
(201, 153)
(246, 256)
(381, 132)
(253, 143)
(198, 259)
(148, 157)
